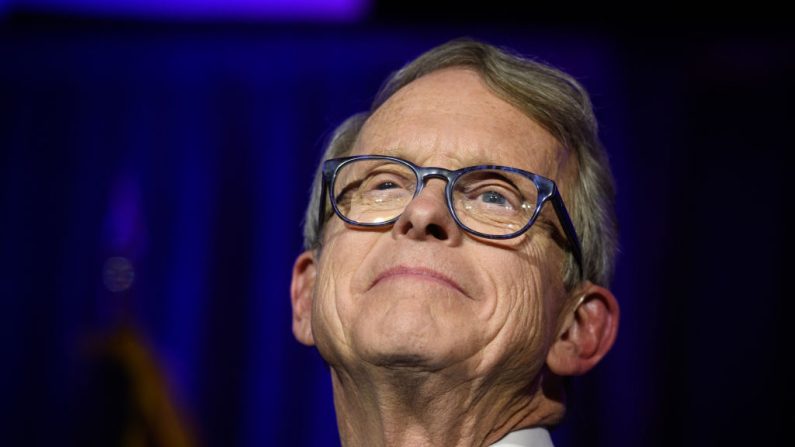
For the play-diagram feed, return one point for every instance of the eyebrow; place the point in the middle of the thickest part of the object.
(405, 154)
(486, 175)
(395, 152)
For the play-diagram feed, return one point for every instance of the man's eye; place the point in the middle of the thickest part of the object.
(386, 185)
(493, 197)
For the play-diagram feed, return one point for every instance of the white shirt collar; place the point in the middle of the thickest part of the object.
(528, 437)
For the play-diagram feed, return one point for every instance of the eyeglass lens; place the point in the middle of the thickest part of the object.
(488, 201)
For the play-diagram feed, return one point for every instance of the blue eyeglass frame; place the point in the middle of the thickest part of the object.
(547, 191)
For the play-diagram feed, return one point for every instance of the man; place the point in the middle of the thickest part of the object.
(450, 303)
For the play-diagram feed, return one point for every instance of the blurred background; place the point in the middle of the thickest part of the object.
(156, 158)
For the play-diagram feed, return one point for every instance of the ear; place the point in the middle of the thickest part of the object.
(301, 288)
(587, 333)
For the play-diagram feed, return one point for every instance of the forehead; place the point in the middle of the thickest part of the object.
(450, 118)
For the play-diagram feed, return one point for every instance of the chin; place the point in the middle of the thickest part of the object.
(420, 349)
(406, 361)
(412, 332)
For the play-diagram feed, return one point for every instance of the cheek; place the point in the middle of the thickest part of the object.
(342, 253)
(520, 324)
(326, 325)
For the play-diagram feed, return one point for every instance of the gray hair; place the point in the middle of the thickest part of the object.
(555, 100)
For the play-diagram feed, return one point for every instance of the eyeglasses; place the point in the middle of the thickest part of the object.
(492, 202)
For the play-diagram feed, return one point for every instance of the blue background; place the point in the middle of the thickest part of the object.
(189, 147)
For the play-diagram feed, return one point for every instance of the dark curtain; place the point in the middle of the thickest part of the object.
(153, 180)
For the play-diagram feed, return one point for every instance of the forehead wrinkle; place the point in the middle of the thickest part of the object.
(452, 116)
(456, 151)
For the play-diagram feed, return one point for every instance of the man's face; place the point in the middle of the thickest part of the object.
(423, 293)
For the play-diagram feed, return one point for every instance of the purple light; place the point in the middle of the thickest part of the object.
(325, 10)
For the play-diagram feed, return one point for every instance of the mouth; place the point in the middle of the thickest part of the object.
(418, 272)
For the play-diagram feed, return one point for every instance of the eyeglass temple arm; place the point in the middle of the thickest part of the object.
(322, 208)
(568, 228)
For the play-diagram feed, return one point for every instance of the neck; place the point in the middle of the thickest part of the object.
(402, 407)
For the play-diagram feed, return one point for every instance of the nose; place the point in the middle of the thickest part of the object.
(426, 217)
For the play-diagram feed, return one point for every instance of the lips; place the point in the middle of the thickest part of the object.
(421, 272)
